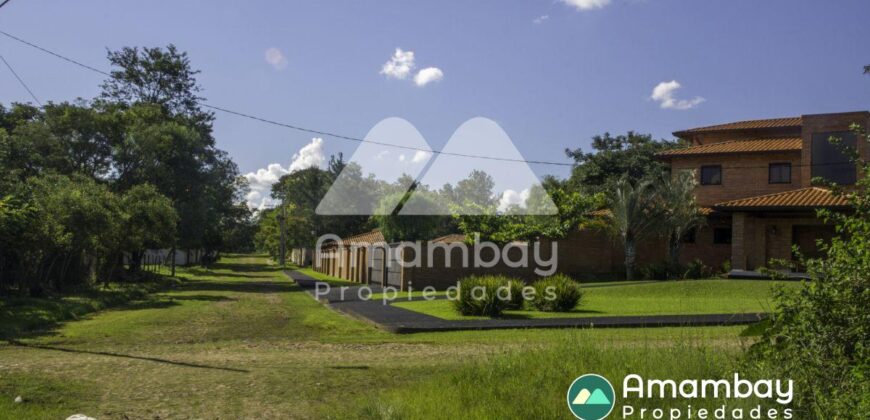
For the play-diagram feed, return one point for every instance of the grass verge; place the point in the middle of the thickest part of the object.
(659, 298)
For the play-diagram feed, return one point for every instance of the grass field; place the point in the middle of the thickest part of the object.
(240, 340)
(656, 298)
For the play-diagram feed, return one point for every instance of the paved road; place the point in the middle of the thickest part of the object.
(400, 320)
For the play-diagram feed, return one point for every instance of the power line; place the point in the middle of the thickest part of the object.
(18, 77)
(292, 126)
(335, 135)
(4, 3)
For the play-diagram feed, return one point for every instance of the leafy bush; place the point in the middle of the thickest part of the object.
(697, 270)
(485, 295)
(558, 293)
(657, 271)
(517, 301)
(820, 333)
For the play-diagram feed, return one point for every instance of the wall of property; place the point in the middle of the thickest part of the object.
(742, 175)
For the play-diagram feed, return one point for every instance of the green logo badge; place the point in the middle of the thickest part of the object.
(591, 397)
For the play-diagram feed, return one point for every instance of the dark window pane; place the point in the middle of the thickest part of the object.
(780, 173)
(722, 236)
(711, 175)
(829, 161)
(689, 237)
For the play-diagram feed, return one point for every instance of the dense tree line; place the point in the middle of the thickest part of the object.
(83, 183)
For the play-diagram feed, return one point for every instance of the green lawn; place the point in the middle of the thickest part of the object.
(242, 341)
(654, 298)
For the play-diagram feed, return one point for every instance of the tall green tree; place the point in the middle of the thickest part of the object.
(630, 155)
(633, 217)
(166, 140)
(679, 210)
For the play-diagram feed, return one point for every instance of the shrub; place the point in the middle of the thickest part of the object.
(479, 295)
(558, 293)
(657, 271)
(819, 334)
(517, 301)
(697, 270)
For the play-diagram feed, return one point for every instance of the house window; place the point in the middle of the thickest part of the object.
(722, 236)
(689, 237)
(779, 173)
(829, 161)
(711, 175)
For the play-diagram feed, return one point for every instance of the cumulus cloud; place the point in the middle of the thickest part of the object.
(399, 65)
(586, 4)
(276, 58)
(511, 197)
(540, 19)
(311, 155)
(428, 75)
(664, 92)
(420, 156)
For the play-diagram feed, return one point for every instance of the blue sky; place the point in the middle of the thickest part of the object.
(549, 82)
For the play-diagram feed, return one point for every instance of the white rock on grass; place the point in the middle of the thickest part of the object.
(19, 400)
(79, 417)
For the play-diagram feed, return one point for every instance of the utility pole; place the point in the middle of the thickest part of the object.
(282, 219)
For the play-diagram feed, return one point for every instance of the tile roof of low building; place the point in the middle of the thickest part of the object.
(785, 144)
(802, 199)
(745, 125)
(453, 237)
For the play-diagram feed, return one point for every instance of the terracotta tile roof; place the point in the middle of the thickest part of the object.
(372, 237)
(806, 198)
(745, 125)
(787, 144)
(454, 237)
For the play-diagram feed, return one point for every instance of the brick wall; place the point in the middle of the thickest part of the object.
(742, 175)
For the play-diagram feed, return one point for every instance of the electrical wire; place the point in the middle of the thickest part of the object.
(341, 136)
(19, 77)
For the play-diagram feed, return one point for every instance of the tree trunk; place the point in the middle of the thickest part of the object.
(674, 248)
(630, 257)
(172, 262)
(135, 261)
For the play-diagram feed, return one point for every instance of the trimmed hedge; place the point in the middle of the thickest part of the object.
(558, 293)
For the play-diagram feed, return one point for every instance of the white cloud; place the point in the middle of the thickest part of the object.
(428, 75)
(420, 156)
(276, 58)
(400, 64)
(540, 19)
(310, 155)
(261, 181)
(586, 4)
(511, 197)
(664, 94)
(402, 157)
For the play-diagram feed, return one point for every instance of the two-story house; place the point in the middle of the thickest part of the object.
(755, 184)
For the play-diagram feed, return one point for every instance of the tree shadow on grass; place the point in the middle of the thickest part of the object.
(125, 356)
(243, 287)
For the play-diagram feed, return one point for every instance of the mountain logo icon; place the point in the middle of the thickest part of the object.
(591, 397)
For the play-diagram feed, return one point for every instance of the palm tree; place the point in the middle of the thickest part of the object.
(634, 216)
(679, 210)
